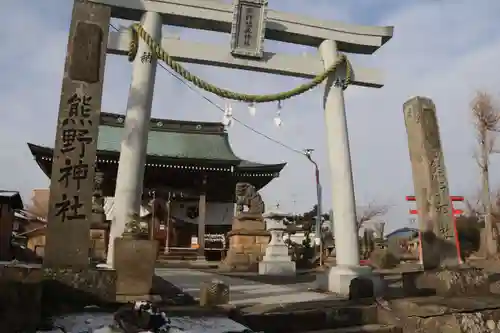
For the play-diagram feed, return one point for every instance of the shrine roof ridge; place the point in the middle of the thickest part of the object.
(167, 125)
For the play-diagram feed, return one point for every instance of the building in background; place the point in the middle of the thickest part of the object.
(188, 164)
(9, 202)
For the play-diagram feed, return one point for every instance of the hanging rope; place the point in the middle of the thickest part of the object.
(137, 31)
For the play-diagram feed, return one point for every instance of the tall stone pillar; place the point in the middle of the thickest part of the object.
(343, 199)
(130, 177)
(435, 213)
(72, 179)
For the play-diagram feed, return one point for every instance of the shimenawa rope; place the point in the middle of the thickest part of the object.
(137, 31)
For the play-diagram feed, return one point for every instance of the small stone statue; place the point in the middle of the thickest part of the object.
(247, 195)
(98, 213)
(134, 229)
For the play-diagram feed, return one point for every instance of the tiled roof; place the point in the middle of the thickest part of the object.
(173, 144)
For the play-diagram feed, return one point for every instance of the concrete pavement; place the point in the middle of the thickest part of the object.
(242, 291)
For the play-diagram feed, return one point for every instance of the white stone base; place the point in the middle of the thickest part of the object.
(338, 279)
(277, 268)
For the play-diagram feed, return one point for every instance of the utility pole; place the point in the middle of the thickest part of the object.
(318, 235)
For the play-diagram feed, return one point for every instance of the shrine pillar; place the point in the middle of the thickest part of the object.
(343, 198)
(130, 177)
(202, 212)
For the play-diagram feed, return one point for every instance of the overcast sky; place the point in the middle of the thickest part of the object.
(442, 49)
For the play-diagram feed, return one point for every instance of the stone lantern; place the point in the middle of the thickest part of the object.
(276, 261)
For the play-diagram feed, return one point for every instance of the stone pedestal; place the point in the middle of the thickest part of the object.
(353, 282)
(248, 240)
(276, 261)
(134, 262)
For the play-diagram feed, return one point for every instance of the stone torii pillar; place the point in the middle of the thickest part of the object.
(343, 200)
(342, 184)
(130, 177)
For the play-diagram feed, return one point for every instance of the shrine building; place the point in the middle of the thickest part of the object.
(190, 167)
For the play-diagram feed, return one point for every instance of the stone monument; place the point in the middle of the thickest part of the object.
(248, 237)
(443, 272)
(435, 216)
(67, 275)
(72, 181)
(276, 261)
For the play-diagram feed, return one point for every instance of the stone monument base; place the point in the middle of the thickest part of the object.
(441, 314)
(248, 240)
(79, 286)
(277, 268)
(353, 282)
(447, 282)
(134, 262)
(29, 292)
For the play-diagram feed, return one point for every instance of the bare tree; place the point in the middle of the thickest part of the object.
(370, 212)
(487, 123)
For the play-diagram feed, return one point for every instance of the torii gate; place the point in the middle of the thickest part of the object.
(455, 212)
(250, 23)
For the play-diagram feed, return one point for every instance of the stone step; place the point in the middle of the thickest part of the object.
(326, 316)
(173, 256)
(178, 255)
(370, 328)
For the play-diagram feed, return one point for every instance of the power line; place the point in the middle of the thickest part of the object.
(203, 96)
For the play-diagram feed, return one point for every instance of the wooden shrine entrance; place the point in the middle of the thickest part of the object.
(177, 235)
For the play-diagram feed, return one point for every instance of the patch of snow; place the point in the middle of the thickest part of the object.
(207, 325)
(19, 264)
(103, 323)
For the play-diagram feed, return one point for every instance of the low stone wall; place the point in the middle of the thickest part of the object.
(447, 282)
(29, 292)
(443, 314)
(67, 288)
(20, 297)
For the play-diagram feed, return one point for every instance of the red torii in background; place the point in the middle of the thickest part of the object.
(454, 198)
